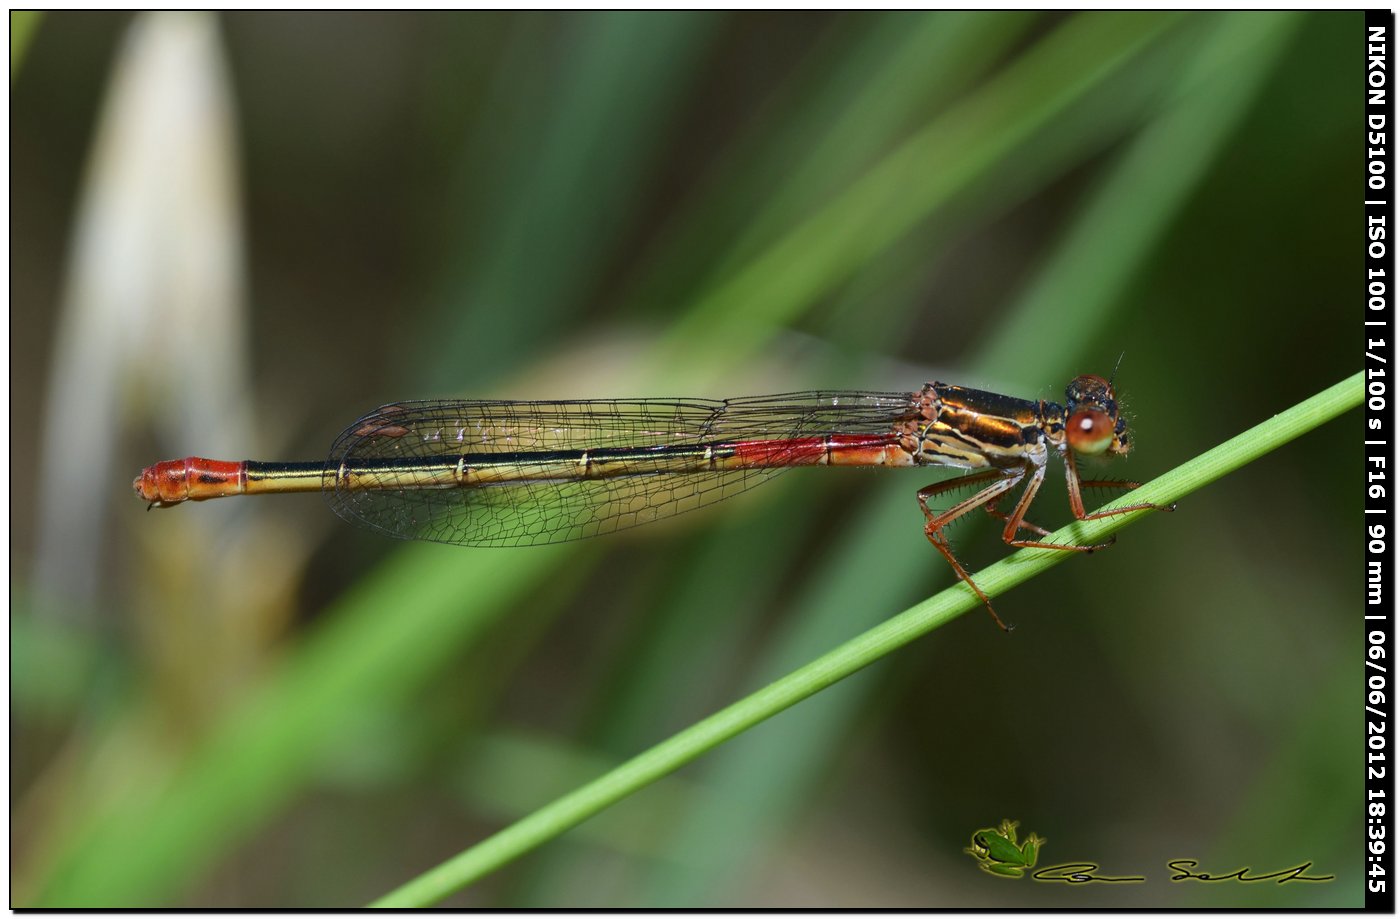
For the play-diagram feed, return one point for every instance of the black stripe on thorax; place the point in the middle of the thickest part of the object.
(981, 402)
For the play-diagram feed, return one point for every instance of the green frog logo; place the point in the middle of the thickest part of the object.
(997, 851)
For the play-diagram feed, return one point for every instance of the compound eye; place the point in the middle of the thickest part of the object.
(1089, 431)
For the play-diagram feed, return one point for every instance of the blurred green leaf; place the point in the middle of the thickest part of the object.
(852, 99)
(1133, 208)
(562, 183)
(387, 636)
(890, 199)
(23, 24)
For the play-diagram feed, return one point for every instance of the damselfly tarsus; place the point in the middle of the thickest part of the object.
(528, 473)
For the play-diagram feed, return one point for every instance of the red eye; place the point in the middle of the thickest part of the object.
(1089, 431)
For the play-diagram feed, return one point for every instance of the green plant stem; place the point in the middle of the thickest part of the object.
(666, 757)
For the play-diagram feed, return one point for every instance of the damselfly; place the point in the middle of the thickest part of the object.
(528, 473)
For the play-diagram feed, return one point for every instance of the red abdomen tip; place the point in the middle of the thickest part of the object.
(190, 479)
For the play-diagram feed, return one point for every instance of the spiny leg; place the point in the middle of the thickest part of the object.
(1017, 518)
(967, 481)
(938, 488)
(1076, 499)
(1002, 515)
(988, 498)
(935, 522)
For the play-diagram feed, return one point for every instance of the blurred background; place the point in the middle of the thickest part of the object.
(233, 235)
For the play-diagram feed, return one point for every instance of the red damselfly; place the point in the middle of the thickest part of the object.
(498, 473)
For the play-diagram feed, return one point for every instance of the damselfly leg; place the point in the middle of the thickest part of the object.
(1003, 482)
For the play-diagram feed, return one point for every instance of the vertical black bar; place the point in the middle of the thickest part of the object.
(1380, 697)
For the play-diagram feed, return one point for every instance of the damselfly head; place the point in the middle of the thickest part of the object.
(1092, 423)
